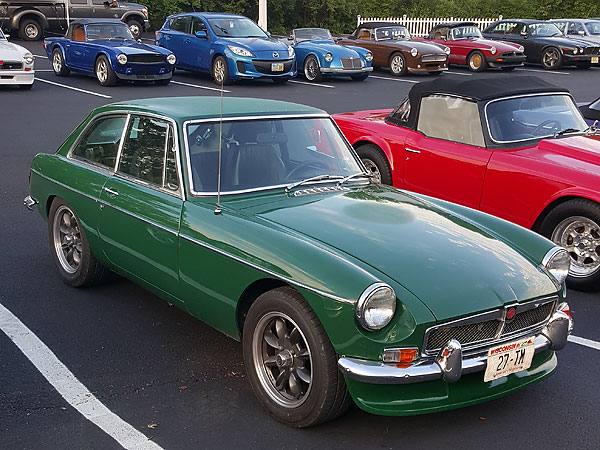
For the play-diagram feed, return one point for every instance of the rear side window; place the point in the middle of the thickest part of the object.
(180, 24)
(100, 143)
(451, 119)
(505, 28)
(401, 113)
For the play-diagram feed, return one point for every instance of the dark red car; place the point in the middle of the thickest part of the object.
(520, 151)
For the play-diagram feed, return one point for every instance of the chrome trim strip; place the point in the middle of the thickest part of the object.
(412, 150)
(345, 71)
(269, 272)
(121, 142)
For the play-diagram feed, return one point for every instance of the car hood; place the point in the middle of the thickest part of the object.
(576, 152)
(562, 40)
(451, 265)
(328, 46)
(421, 46)
(134, 47)
(261, 47)
(11, 52)
(488, 44)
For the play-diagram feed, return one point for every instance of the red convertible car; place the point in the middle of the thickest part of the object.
(520, 151)
(468, 47)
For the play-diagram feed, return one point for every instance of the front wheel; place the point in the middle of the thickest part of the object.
(312, 71)
(376, 163)
(476, 62)
(220, 71)
(30, 30)
(58, 63)
(551, 58)
(398, 65)
(104, 72)
(575, 225)
(136, 28)
(290, 361)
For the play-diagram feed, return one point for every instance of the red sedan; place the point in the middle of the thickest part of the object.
(522, 152)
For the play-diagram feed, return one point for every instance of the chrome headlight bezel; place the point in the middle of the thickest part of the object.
(291, 51)
(328, 57)
(377, 296)
(493, 50)
(240, 51)
(447, 50)
(122, 58)
(414, 52)
(171, 59)
(369, 57)
(28, 58)
(557, 262)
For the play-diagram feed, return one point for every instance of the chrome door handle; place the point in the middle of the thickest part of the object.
(187, 41)
(110, 191)
(412, 150)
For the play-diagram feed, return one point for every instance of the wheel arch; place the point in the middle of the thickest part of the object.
(251, 293)
(381, 144)
(28, 13)
(556, 202)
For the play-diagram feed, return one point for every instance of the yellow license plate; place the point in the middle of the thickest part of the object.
(277, 67)
(594, 60)
(509, 358)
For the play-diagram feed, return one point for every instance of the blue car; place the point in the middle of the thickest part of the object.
(318, 56)
(228, 46)
(106, 49)
(590, 111)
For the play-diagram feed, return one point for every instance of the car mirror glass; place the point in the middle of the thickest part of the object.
(201, 34)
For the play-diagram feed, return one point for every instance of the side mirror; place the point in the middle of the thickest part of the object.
(581, 33)
(201, 34)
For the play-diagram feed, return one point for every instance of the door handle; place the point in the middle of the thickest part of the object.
(412, 150)
(110, 191)
(187, 41)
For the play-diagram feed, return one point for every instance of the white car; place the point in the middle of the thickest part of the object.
(16, 64)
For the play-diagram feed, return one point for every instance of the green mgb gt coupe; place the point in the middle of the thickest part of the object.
(261, 221)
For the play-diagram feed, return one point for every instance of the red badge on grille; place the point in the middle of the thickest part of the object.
(510, 313)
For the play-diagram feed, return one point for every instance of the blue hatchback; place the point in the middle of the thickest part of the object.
(228, 46)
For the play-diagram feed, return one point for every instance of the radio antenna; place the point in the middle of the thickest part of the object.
(218, 208)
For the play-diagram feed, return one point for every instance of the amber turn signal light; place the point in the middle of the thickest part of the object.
(400, 355)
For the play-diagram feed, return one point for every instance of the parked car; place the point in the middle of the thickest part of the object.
(318, 56)
(581, 29)
(520, 151)
(228, 46)
(590, 111)
(543, 42)
(106, 49)
(468, 47)
(31, 18)
(16, 64)
(338, 288)
(393, 47)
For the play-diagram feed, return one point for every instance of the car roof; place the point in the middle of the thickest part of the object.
(455, 24)
(189, 108)
(372, 25)
(98, 21)
(215, 15)
(527, 21)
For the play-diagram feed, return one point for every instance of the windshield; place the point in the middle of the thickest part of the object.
(312, 34)
(533, 117)
(105, 32)
(543, 30)
(593, 28)
(2, 35)
(258, 154)
(398, 32)
(595, 104)
(236, 27)
(466, 32)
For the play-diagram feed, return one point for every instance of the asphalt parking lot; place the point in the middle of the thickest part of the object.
(181, 383)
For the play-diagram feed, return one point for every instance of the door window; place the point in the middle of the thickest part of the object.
(100, 143)
(505, 28)
(401, 114)
(197, 25)
(180, 24)
(79, 2)
(576, 28)
(451, 119)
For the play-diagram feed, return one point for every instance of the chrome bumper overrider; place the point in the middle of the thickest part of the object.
(449, 364)
(29, 202)
(345, 71)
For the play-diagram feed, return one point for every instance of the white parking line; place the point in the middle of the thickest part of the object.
(73, 88)
(544, 71)
(312, 84)
(44, 70)
(583, 341)
(198, 86)
(40, 56)
(393, 79)
(69, 387)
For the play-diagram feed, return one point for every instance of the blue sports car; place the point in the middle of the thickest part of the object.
(228, 46)
(318, 56)
(106, 48)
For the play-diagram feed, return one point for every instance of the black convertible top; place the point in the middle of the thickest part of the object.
(371, 25)
(454, 24)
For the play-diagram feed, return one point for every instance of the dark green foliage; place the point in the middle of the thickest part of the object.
(340, 15)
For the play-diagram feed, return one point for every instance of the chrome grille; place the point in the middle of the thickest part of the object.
(465, 334)
(10, 65)
(351, 63)
(528, 319)
(433, 58)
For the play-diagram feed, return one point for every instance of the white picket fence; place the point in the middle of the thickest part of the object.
(420, 26)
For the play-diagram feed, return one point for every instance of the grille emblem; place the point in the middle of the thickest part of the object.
(510, 314)
(275, 55)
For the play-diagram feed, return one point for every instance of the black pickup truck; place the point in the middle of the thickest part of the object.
(32, 18)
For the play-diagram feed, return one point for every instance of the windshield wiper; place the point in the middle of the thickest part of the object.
(222, 29)
(355, 175)
(311, 180)
(565, 131)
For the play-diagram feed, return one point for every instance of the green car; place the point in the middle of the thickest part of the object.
(265, 225)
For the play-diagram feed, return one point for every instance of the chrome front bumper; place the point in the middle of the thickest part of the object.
(341, 71)
(29, 202)
(449, 364)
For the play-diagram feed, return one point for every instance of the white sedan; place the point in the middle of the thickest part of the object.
(16, 64)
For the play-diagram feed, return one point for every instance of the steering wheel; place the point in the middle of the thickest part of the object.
(556, 125)
(304, 165)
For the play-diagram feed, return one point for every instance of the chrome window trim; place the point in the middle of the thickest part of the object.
(391, 26)
(188, 162)
(267, 271)
(487, 122)
(497, 314)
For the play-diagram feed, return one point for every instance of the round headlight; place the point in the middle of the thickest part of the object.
(521, 48)
(122, 58)
(376, 306)
(414, 52)
(447, 50)
(581, 50)
(28, 58)
(328, 57)
(171, 59)
(369, 56)
(493, 50)
(558, 262)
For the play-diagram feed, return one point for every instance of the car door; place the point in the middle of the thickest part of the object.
(175, 37)
(76, 49)
(447, 157)
(196, 51)
(142, 203)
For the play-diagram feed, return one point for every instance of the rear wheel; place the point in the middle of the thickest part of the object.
(376, 163)
(312, 71)
(551, 58)
(290, 362)
(476, 61)
(30, 30)
(136, 28)
(58, 63)
(398, 65)
(575, 225)
(104, 73)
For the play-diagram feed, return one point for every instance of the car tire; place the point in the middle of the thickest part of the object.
(507, 69)
(70, 249)
(284, 340)
(30, 30)
(25, 87)
(220, 71)
(281, 80)
(575, 225)
(164, 82)
(312, 70)
(397, 64)
(136, 28)
(58, 63)
(104, 72)
(476, 61)
(376, 163)
(360, 77)
(551, 58)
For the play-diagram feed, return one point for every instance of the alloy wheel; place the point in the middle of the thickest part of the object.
(67, 239)
(312, 69)
(372, 169)
(551, 58)
(475, 62)
(31, 31)
(219, 71)
(580, 236)
(102, 71)
(57, 62)
(397, 64)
